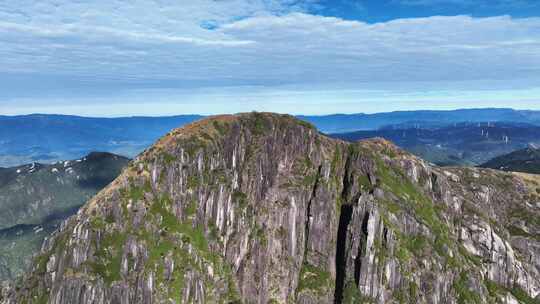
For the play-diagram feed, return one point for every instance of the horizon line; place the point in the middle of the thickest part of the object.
(296, 115)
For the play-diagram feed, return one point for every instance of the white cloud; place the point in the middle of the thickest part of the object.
(96, 34)
(431, 48)
(255, 42)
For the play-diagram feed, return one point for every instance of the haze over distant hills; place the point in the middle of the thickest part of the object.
(340, 123)
(48, 138)
(456, 144)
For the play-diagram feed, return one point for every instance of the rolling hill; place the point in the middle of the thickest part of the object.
(36, 198)
(467, 144)
(526, 161)
(342, 123)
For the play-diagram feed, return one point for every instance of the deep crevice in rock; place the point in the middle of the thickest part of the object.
(346, 180)
(341, 251)
(358, 265)
(344, 221)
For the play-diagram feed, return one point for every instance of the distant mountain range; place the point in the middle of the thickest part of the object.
(526, 161)
(457, 144)
(49, 138)
(35, 198)
(340, 123)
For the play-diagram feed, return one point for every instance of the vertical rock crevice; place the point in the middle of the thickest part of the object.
(341, 251)
(350, 195)
(345, 216)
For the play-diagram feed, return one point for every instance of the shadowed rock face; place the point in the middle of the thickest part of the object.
(36, 198)
(261, 208)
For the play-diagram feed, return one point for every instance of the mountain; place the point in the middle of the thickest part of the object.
(342, 123)
(457, 144)
(35, 198)
(262, 208)
(49, 138)
(525, 160)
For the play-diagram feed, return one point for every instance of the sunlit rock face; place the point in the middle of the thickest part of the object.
(262, 208)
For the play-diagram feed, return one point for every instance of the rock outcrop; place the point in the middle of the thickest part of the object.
(262, 208)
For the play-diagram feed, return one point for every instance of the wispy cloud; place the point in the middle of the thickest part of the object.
(100, 34)
(113, 45)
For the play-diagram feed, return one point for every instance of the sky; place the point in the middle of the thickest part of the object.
(168, 57)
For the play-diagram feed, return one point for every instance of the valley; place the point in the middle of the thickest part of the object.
(463, 144)
(36, 198)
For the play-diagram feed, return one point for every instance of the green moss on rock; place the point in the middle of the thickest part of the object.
(314, 279)
(464, 294)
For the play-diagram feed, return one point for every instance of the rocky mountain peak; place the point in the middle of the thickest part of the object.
(262, 208)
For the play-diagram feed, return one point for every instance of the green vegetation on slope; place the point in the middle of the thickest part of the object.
(35, 198)
(526, 160)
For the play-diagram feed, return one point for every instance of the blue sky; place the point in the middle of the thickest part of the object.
(164, 57)
(385, 10)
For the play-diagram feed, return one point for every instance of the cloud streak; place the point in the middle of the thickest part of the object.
(251, 43)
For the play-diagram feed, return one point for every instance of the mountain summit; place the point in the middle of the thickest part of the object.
(262, 208)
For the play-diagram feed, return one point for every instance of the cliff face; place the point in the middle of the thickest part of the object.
(261, 208)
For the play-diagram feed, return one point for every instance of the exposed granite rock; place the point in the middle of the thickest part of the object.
(261, 208)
